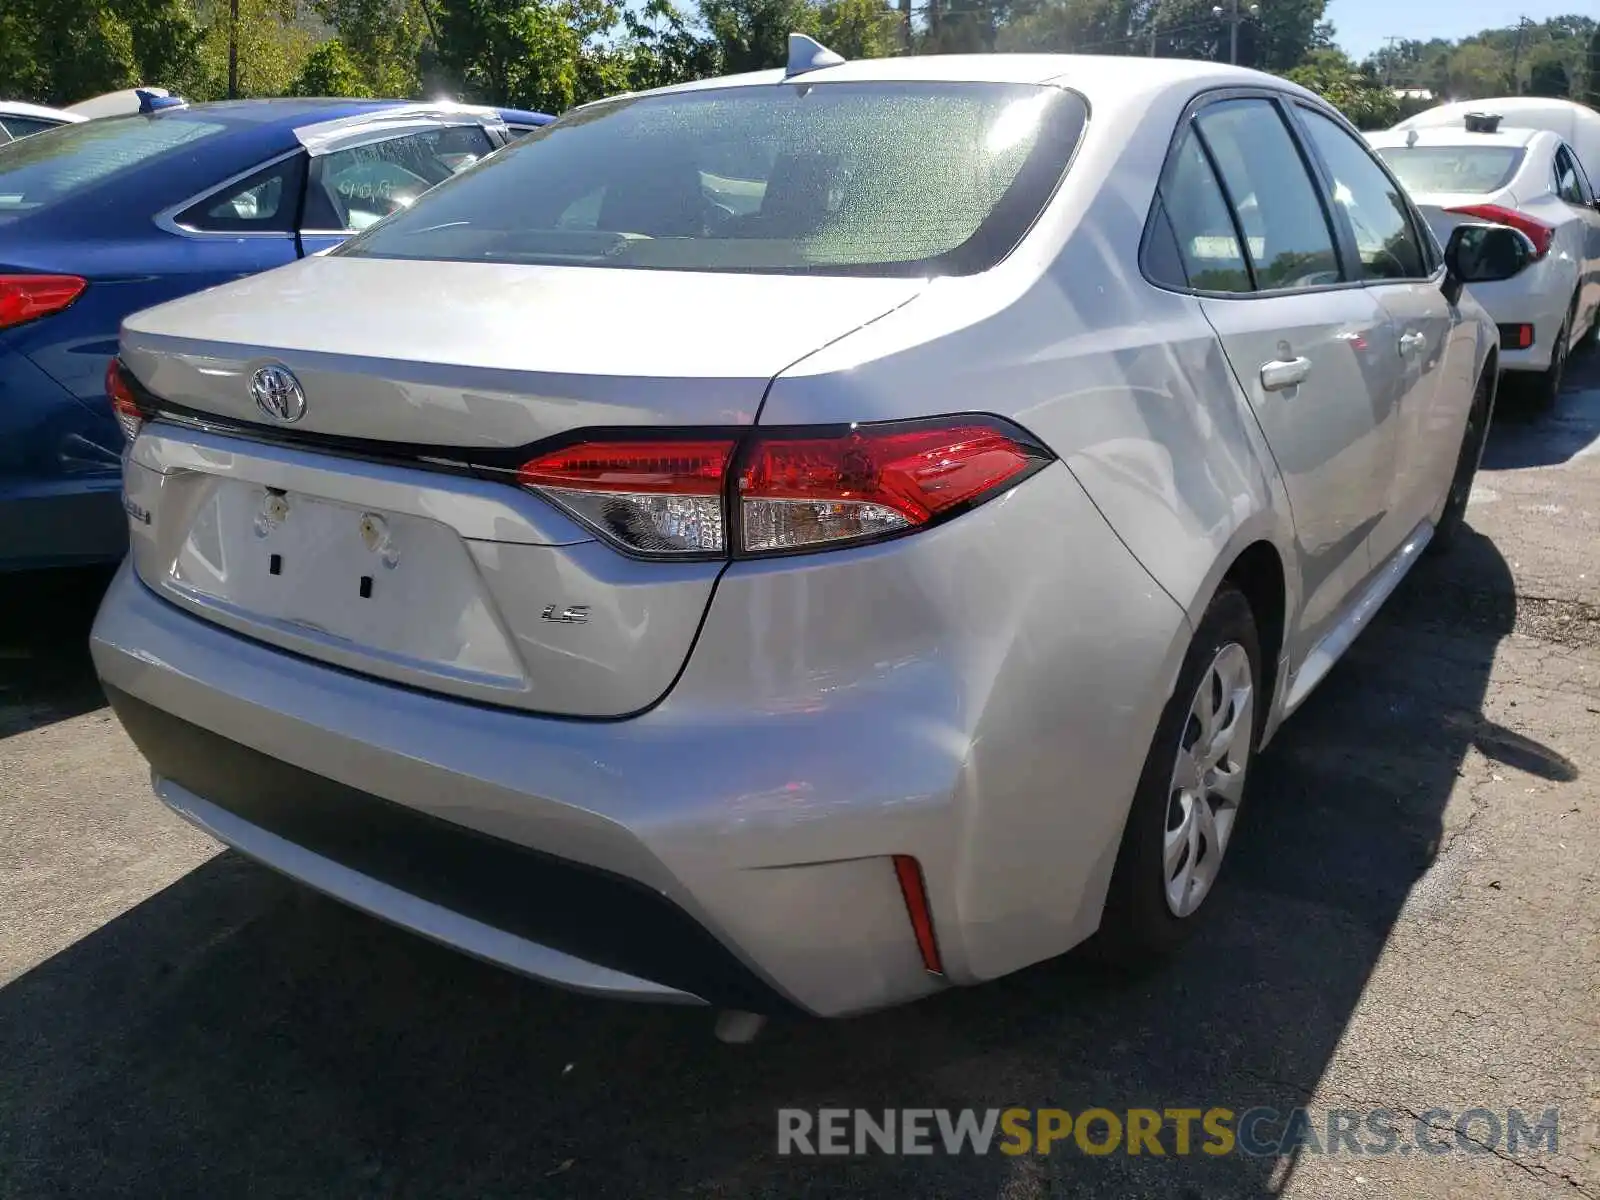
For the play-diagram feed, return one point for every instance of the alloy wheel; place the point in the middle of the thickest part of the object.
(1208, 779)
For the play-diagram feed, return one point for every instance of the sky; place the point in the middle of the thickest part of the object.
(1363, 24)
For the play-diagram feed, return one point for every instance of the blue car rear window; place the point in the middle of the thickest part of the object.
(50, 166)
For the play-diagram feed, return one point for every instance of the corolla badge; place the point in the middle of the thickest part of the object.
(278, 394)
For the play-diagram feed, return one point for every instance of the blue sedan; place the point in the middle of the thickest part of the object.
(103, 218)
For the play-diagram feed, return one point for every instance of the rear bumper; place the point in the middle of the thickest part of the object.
(839, 710)
(1539, 296)
(574, 925)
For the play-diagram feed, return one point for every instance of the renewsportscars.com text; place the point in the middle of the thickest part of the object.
(1172, 1131)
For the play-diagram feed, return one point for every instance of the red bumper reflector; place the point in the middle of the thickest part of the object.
(909, 871)
(1516, 337)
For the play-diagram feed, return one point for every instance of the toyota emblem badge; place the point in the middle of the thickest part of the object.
(278, 394)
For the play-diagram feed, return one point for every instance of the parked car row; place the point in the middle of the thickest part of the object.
(1528, 163)
(795, 541)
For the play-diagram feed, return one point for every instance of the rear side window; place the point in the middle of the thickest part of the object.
(21, 127)
(879, 178)
(266, 202)
(1208, 243)
(39, 170)
(1570, 183)
(1386, 241)
(1464, 169)
(1286, 232)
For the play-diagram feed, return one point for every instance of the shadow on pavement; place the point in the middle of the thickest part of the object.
(1525, 437)
(233, 1033)
(45, 672)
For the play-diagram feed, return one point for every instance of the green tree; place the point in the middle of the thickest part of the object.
(1591, 94)
(858, 28)
(1548, 77)
(330, 71)
(1353, 91)
(752, 35)
(382, 42)
(662, 49)
(544, 54)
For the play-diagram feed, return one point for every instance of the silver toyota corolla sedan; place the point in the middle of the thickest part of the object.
(803, 540)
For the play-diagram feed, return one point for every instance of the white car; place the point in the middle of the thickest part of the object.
(18, 119)
(1532, 180)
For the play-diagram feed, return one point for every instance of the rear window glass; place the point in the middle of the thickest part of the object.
(835, 178)
(52, 165)
(1425, 169)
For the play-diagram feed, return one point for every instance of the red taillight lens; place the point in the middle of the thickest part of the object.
(1540, 234)
(798, 492)
(124, 404)
(795, 490)
(655, 497)
(29, 297)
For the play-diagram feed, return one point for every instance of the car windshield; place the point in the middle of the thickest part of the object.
(899, 178)
(1424, 169)
(52, 165)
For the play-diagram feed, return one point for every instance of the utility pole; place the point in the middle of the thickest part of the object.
(1516, 54)
(1234, 17)
(1388, 62)
(233, 49)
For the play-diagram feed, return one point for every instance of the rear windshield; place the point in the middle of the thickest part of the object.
(1425, 169)
(877, 179)
(52, 165)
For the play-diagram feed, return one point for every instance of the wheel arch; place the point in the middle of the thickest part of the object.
(1258, 572)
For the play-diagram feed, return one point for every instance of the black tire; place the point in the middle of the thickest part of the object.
(1473, 439)
(1591, 337)
(1545, 388)
(1139, 925)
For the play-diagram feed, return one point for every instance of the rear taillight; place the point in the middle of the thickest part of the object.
(792, 489)
(124, 403)
(29, 297)
(1540, 234)
(652, 497)
(805, 491)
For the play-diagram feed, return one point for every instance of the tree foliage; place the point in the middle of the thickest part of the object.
(1352, 90)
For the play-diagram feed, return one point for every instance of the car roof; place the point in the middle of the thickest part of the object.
(21, 108)
(1451, 135)
(1094, 75)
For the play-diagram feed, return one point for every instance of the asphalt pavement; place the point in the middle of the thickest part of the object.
(1410, 925)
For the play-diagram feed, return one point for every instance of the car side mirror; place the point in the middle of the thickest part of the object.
(1479, 253)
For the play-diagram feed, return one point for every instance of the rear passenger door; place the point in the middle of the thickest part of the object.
(1388, 248)
(1313, 355)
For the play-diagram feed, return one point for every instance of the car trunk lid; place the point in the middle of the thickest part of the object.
(484, 354)
(363, 534)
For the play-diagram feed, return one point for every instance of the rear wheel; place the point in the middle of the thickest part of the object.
(1473, 440)
(1591, 336)
(1189, 794)
(1546, 387)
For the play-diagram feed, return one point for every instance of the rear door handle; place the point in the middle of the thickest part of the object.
(1412, 343)
(1283, 373)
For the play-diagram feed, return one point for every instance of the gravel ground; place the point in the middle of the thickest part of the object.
(1410, 924)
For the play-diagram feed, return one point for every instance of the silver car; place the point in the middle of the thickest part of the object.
(797, 541)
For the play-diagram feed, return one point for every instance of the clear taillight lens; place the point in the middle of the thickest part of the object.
(796, 489)
(800, 492)
(29, 297)
(124, 404)
(655, 497)
(1541, 235)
